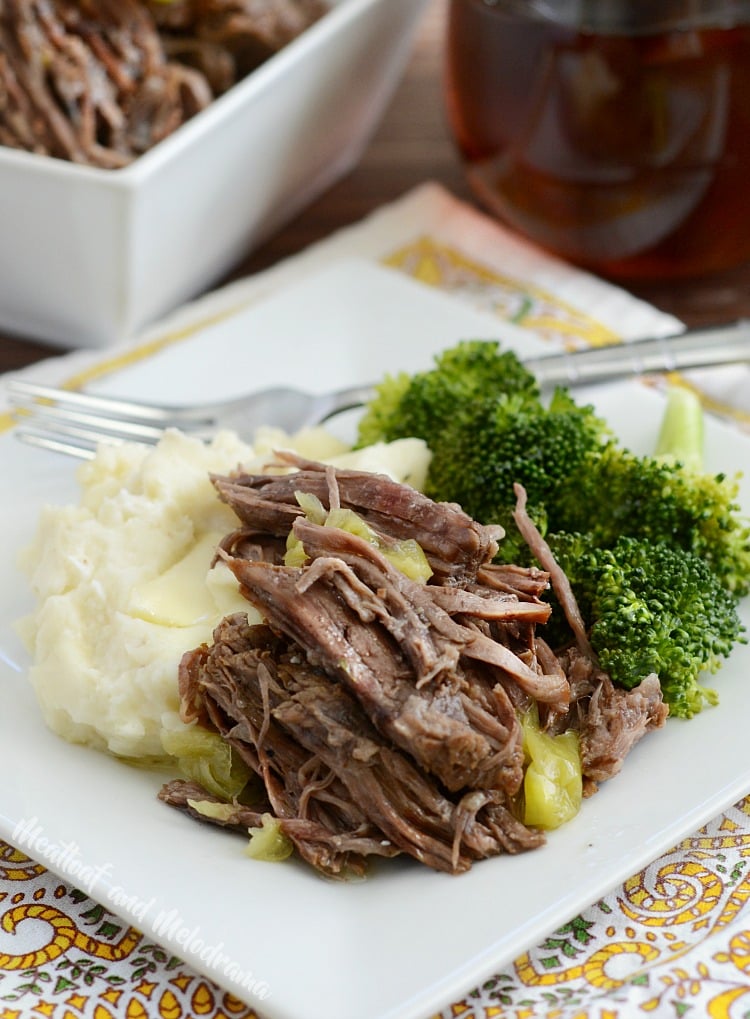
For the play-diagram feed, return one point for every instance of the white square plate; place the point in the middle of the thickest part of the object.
(407, 941)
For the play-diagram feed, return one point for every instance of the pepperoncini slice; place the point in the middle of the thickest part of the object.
(407, 555)
(206, 758)
(269, 842)
(553, 781)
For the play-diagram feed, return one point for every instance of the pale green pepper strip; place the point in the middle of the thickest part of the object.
(553, 781)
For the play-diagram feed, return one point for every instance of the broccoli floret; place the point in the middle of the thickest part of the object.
(382, 420)
(494, 443)
(657, 552)
(614, 493)
(664, 498)
(652, 607)
(420, 405)
(681, 434)
(480, 412)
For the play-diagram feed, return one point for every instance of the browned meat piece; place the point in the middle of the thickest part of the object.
(609, 719)
(418, 616)
(336, 854)
(213, 61)
(525, 582)
(486, 604)
(543, 554)
(98, 82)
(89, 82)
(228, 39)
(250, 543)
(614, 721)
(583, 673)
(293, 721)
(400, 799)
(455, 545)
(177, 793)
(229, 688)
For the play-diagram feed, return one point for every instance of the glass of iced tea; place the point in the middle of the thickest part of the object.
(615, 133)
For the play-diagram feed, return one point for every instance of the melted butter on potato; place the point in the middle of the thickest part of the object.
(187, 592)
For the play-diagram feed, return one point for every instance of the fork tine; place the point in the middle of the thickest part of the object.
(91, 436)
(78, 448)
(21, 392)
(56, 418)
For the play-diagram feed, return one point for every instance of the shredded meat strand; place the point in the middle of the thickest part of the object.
(100, 82)
(560, 582)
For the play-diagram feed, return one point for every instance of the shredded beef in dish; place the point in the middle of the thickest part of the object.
(381, 713)
(227, 39)
(102, 81)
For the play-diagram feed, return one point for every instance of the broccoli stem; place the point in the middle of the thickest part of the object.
(680, 438)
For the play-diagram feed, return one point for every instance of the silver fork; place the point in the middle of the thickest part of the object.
(71, 422)
(74, 423)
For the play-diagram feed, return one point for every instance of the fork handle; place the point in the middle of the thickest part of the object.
(696, 348)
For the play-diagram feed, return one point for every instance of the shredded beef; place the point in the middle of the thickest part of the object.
(609, 720)
(337, 854)
(455, 545)
(560, 582)
(381, 713)
(100, 82)
(323, 762)
(227, 39)
(429, 721)
(614, 721)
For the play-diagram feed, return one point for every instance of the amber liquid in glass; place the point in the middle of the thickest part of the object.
(626, 154)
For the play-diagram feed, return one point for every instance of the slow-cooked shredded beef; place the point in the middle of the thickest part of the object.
(89, 81)
(227, 39)
(429, 721)
(560, 582)
(337, 854)
(614, 721)
(100, 82)
(323, 761)
(382, 712)
(455, 545)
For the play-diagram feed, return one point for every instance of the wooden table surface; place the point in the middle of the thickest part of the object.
(413, 145)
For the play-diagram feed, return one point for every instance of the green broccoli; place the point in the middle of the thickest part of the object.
(657, 551)
(661, 561)
(652, 607)
(480, 412)
(614, 493)
(420, 405)
(495, 442)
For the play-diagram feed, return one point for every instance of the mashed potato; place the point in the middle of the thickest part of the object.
(123, 581)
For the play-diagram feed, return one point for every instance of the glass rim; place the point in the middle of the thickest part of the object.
(628, 16)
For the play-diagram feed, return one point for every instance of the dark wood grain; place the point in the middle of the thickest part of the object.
(413, 145)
